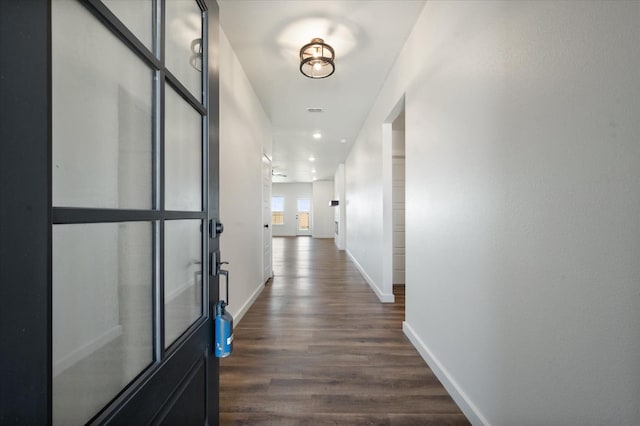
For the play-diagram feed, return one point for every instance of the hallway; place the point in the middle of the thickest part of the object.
(318, 347)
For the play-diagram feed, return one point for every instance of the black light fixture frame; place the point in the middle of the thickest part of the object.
(305, 58)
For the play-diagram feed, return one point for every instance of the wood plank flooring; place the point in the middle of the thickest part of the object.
(318, 348)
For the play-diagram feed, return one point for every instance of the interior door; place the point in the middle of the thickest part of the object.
(303, 216)
(126, 110)
(266, 219)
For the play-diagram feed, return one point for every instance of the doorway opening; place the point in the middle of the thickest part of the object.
(393, 146)
(268, 218)
(398, 204)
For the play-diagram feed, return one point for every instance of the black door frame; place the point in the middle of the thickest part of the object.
(25, 212)
(26, 218)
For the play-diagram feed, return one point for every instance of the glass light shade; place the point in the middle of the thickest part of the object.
(316, 59)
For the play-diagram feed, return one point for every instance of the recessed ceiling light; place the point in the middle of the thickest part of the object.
(343, 140)
(317, 135)
(313, 171)
(312, 159)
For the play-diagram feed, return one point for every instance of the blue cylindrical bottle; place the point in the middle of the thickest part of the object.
(224, 331)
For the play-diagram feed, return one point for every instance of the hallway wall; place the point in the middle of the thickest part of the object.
(245, 134)
(522, 206)
(363, 205)
(323, 213)
(339, 215)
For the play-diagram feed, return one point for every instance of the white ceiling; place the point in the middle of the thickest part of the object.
(267, 36)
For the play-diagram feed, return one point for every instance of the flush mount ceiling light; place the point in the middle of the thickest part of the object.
(316, 59)
(317, 135)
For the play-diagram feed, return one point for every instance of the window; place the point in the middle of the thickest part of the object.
(277, 210)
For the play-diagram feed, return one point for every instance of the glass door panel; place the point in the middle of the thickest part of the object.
(102, 122)
(184, 44)
(183, 158)
(137, 15)
(304, 216)
(182, 276)
(102, 314)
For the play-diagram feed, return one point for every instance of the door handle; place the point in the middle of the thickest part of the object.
(226, 278)
(225, 273)
(218, 265)
(266, 225)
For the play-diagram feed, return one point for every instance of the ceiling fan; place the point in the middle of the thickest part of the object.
(278, 173)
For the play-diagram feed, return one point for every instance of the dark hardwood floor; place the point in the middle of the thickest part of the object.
(318, 348)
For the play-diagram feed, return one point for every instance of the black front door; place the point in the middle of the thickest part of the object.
(120, 307)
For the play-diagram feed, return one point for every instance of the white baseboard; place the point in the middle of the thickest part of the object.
(237, 315)
(85, 350)
(384, 297)
(459, 396)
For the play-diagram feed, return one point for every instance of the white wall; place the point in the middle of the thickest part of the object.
(340, 211)
(522, 177)
(363, 190)
(323, 214)
(245, 133)
(291, 192)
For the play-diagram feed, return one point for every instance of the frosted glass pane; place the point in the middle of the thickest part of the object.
(183, 45)
(182, 277)
(102, 128)
(137, 15)
(102, 315)
(183, 154)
